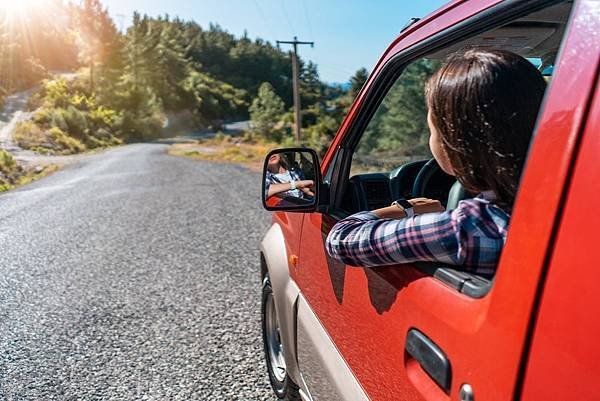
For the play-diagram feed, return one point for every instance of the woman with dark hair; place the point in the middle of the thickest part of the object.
(482, 108)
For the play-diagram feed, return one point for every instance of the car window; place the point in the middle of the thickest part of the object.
(398, 134)
(398, 131)
(388, 159)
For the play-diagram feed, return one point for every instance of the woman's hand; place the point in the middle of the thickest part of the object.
(426, 205)
(420, 206)
(308, 184)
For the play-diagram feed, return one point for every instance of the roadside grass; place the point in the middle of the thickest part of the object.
(226, 149)
(13, 175)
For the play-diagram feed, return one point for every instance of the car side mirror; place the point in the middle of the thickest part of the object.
(291, 180)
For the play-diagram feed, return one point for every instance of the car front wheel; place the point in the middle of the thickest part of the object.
(282, 384)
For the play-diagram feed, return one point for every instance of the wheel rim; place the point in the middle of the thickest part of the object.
(274, 347)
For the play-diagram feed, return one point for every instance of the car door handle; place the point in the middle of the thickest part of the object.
(431, 358)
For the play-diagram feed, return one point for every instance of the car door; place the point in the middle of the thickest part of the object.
(564, 352)
(375, 317)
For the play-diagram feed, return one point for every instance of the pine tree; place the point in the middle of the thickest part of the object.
(170, 67)
(96, 35)
(311, 87)
(265, 112)
(213, 101)
(400, 123)
(357, 81)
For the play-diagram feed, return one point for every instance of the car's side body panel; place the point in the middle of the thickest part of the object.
(280, 245)
(285, 293)
(563, 362)
(368, 312)
(290, 225)
(302, 331)
(324, 370)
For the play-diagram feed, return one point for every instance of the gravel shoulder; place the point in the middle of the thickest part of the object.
(132, 275)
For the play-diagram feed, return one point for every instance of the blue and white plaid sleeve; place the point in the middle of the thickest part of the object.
(469, 236)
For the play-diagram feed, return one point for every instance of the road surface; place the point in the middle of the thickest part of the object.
(132, 275)
(232, 129)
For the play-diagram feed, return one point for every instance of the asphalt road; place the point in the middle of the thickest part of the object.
(132, 275)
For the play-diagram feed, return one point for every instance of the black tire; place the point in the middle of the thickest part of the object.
(282, 384)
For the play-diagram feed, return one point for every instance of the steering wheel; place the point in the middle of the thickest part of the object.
(423, 178)
(432, 182)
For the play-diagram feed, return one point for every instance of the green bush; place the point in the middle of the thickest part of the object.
(103, 117)
(135, 127)
(66, 143)
(77, 122)
(266, 112)
(7, 162)
(69, 121)
(9, 170)
(29, 135)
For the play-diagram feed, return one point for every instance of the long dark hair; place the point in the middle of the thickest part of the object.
(484, 104)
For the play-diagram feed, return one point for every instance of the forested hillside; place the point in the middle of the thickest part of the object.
(131, 85)
(164, 75)
(33, 44)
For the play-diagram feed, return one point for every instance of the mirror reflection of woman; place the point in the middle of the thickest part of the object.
(283, 180)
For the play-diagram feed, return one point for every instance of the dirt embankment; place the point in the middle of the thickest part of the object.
(19, 166)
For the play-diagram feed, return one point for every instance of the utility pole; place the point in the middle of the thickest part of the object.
(296, 79)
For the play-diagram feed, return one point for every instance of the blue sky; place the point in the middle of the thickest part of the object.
(348, 34)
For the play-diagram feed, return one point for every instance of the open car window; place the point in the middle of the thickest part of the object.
(398, 133)
(395, 142)
(390, 156)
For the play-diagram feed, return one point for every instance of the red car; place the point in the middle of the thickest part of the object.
(429, 331)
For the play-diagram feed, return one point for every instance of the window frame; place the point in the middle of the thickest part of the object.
(485, 20)
(500, 14)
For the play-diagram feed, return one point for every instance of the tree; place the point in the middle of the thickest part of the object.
(141, 116)
(34, 42)
(139, 53)
(400, 123)
(357, 81)
(311, 87)
(266, 110)
(322, 132)
(169, 66)
(96, 34)
(160, 67)
(213, 100)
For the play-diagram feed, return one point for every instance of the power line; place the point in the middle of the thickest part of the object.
(339, 66)
(296, 78)
(335, 69)
(334, 75)
(307, 20)
(265, 20)
(287, 17)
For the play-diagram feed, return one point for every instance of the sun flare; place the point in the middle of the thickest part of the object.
(18, 9)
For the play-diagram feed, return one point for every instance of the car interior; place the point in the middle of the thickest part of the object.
(537, 37)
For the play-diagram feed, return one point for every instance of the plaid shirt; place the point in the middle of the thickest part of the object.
(281, 178)
(471, 236)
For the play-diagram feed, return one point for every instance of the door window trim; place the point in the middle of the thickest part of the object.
(500, 14)
(485, 20)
